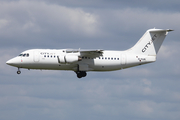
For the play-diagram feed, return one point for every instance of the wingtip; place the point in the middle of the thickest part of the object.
(169, 30)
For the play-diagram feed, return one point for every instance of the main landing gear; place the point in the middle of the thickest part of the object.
(18, 72)
(81, 74)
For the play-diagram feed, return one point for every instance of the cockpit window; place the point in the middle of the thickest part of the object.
(24, 55)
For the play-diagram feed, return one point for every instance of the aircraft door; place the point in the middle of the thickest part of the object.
(21, 58)
(123, 59)
(36, 56)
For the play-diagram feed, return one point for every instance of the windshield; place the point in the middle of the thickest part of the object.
(21, 55)
(24, 55)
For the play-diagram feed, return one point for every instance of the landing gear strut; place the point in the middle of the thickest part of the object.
(18, 72)
(81, 74)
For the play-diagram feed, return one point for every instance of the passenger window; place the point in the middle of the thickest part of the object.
(117, 58)
(27, 55)
(114, 58)
(44, 55)
(111, 58)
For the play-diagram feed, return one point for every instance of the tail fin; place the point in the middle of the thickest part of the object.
(150, 42)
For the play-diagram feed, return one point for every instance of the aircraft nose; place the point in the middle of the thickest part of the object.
(10, 62)
(13, 62)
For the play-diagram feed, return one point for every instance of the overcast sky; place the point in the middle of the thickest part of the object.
(148, 92)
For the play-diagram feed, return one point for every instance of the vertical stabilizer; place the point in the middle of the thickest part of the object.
(150, 42)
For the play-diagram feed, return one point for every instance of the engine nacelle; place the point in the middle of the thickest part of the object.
(68, 59)
(71, 58)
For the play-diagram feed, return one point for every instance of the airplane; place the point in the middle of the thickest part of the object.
(82, 61)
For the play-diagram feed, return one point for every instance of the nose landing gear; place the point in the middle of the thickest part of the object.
(18, 72)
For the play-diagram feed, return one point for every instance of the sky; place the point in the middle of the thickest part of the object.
(148, 92)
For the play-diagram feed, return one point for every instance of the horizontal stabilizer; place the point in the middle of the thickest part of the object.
(160, 30)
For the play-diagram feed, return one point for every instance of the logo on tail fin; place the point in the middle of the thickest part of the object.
(149, 43)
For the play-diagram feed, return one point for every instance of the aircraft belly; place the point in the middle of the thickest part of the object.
(105, 65)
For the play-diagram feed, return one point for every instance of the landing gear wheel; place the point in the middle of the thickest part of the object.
(18, 72)
(81, 74)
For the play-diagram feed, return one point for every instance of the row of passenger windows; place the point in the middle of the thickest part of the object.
(49, 56)
(24, 55)
(106, 58)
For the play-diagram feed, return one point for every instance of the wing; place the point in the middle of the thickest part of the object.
(86, 52)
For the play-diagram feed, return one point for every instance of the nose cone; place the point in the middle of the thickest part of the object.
(13, 62)
(8, 62)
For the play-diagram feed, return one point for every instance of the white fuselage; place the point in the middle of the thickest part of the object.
(48, 59)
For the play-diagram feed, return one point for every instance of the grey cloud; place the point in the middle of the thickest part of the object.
(43, 25)
(38, 20)
(154, 5)
(112, 98)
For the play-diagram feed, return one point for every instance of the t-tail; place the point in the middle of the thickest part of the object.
(146, 49)
(150, 42)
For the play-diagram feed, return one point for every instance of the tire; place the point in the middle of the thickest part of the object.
(79, 75)
(18, 72)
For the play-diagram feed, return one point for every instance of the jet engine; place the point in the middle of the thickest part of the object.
(68, 59)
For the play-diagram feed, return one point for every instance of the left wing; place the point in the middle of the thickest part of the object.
(86, 52)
